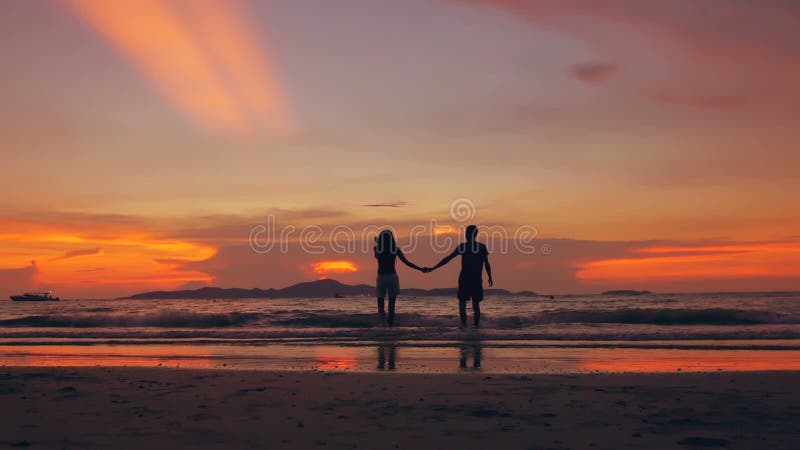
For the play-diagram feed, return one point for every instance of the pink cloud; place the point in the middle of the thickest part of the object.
(732, 54)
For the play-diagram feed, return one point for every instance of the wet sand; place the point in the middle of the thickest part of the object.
(187, 408)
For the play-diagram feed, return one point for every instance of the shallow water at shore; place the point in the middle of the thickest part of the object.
(571, 334)
(592, 317)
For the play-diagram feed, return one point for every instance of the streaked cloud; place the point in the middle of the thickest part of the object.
(77, 253)
(202, 56)
(387, 205)
(90, 269)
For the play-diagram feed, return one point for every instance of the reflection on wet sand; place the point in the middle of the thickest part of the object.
(387, 352)
(195, 357)
(644, 361)
(472, 355)
(473, 349)
(331, 358)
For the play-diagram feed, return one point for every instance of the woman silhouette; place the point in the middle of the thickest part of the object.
(388, 283)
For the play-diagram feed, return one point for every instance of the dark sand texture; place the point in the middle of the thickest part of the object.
(142, 408)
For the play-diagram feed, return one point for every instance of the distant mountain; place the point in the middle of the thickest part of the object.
(311, 289)
(626, 292)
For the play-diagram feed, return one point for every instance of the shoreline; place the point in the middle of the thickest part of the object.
(407, 357)
(123, 407)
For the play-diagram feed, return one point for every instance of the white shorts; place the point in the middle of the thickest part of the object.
(388, 284)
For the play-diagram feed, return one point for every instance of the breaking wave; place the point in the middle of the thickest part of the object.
(662, 317)
(168, 318)
(644, 316)
(333, 320)
(161, 319)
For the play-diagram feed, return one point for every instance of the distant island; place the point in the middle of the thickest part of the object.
(626, 292)
(320, 288)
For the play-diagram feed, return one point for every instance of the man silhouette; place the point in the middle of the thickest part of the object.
(474, 255)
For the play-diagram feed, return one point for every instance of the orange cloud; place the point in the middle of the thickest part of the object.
(340, 266)
(201, 55)
(122, 259)
(778, 259)
(439, 230)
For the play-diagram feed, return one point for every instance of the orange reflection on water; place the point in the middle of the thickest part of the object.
(332, 358)
(107, 356)
(646, 360)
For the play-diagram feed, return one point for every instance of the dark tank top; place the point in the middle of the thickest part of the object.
(386, 263)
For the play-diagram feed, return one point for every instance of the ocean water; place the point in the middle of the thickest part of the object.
(659, 332)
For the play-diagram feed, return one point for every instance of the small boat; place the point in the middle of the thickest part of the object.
(35, 297)
(338, 295)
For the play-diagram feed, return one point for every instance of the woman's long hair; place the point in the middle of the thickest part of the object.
(386, 243)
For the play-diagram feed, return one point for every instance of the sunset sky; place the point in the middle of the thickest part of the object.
(653, 144)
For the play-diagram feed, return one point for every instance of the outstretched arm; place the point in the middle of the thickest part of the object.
(407, 262)
(446, 259)
(488, 268)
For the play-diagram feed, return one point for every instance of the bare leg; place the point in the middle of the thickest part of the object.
(462, 311)
(391, 310)
(381, 311)
(476, 310)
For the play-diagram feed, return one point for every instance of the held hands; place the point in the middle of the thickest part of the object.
(491, 283)
(426, 270)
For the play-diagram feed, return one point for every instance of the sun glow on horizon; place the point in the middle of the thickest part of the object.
(337, 266)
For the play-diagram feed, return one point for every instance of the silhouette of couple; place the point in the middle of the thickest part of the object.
(474, 256)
